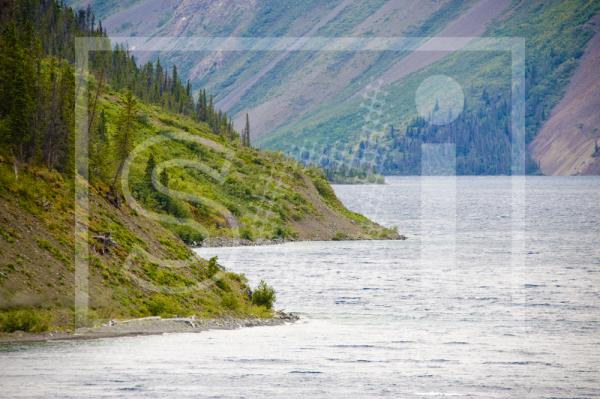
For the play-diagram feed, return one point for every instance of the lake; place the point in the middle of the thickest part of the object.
(494, 295)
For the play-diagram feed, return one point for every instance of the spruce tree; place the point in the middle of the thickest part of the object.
(150, 165)
(246, 132)
(123, 136)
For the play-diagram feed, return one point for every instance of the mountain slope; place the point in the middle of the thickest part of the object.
(160, 169)
(266, 195)
(556, 34)
(37, 260)
(567, 143)
(307, 102)
(274, 86)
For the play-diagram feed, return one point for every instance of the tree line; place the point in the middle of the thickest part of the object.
(37, 82)
(481, 135)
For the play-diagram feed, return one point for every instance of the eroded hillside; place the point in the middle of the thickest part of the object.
(568, 142)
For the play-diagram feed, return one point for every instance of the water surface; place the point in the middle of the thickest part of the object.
(459, 309)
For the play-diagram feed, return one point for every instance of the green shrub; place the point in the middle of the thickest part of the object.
(164, 306)
(28, 320)
(282, 232)
(340, 236)
(223, 284)
(7, 236)
(264, 295)
(212, 267)
(230, 301)
(246, 234)
(189, 235)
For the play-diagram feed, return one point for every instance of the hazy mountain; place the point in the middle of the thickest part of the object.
(312, 104)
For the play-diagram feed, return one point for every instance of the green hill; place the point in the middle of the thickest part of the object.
(225, 189)
(162, 171)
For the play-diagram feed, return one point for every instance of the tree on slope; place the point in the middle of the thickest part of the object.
(124, 137)
(246, 133)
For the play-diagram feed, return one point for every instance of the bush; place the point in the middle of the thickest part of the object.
(212, 267)
(223, 284)
(230, 301)
(264, 295)
(164, 306)
(189, 235)
(340, 236)
(28, 320)
(246, 234)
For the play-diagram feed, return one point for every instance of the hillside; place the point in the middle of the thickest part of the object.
(310, 104)
(224, 189)
(556, 35)
(567, 143)
(162, 169)
(266, 196)
(37, 266)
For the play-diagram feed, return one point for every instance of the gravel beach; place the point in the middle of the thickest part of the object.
(150, 326)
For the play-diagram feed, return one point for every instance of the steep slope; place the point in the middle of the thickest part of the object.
(160, 170)
(472, 23)
(276, 86)
(384, 133)
(311, 103)
(223, 189)
(567, 143)
(148, 270)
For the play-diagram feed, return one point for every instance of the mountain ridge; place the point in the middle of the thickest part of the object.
(285, 94)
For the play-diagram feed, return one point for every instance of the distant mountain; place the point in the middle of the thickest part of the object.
(311, 105)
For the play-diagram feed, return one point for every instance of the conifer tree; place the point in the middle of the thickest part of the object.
(123, 136)
(246, 132)
(150, 165)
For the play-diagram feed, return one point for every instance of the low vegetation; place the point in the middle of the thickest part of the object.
(27, 320)
(264, 295)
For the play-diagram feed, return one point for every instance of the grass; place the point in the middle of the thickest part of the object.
(28, 320)
(36, 261)
(56, 253)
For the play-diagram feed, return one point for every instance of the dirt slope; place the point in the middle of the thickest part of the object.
(233, 97)
(472, 23)
(320, 80)
(326, 75)
(565, 145)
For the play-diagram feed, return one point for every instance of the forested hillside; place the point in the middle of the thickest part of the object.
(38, 91)
(164, 169)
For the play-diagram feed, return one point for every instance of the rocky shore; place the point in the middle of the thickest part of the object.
(237, 242)
(152, 326)
(214, 242)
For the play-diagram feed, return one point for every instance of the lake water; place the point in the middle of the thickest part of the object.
(486, 299)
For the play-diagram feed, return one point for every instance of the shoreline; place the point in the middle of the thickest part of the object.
(154, 325)
(223, 242)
